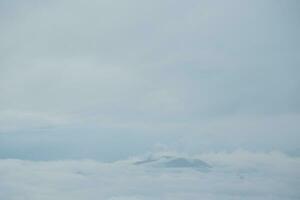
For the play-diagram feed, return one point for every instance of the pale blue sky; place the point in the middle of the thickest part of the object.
(111, 79)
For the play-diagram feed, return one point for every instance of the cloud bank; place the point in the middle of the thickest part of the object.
(236, 175)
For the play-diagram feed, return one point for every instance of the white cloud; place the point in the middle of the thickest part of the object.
(237, 175)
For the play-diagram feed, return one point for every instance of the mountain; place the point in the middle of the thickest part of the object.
(174, 162)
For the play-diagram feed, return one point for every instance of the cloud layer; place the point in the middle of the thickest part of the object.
(237, 175)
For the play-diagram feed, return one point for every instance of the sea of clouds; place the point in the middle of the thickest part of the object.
(234, 175)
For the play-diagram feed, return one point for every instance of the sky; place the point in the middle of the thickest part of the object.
(89, 87)
(119, 78)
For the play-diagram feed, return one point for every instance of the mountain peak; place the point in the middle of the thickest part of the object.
(174, 162)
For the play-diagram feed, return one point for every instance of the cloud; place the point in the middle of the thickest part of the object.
(237, 175)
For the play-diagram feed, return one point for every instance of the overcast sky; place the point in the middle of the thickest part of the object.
(110, 79)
